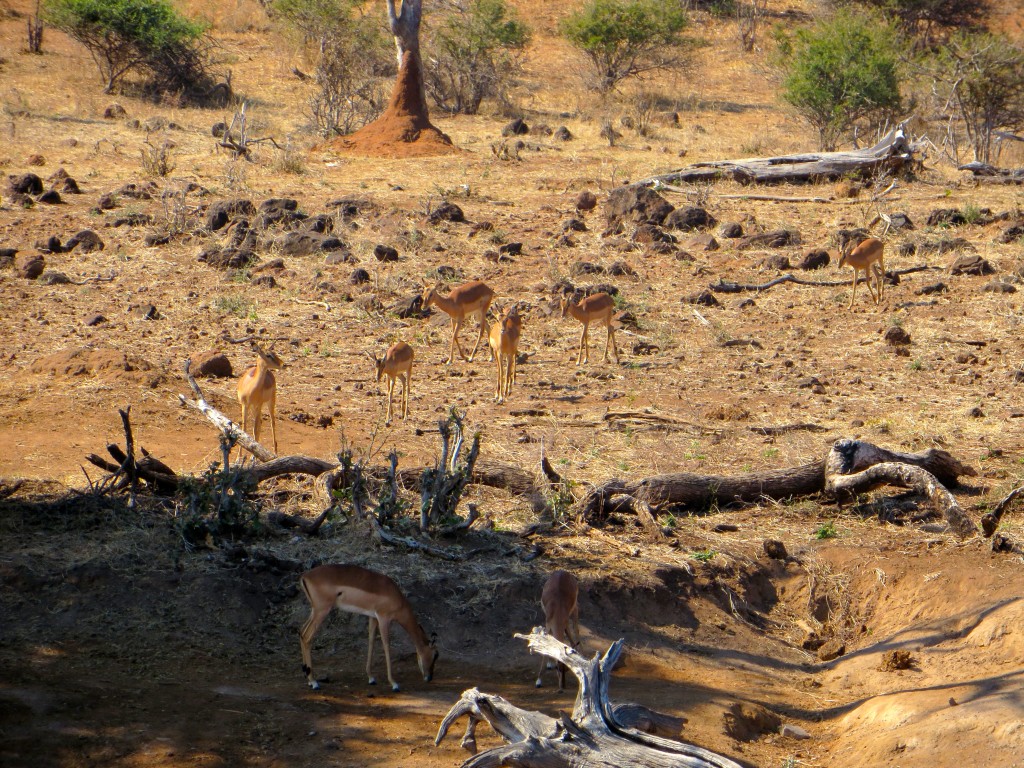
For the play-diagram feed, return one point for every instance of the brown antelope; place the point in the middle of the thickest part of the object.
(867, 256)
(397, 364)
(504, 342)
(600, 308)
(258, 386)
(360, 590)
(467, 299)
(560, 611)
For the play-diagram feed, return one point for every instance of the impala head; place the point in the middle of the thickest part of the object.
(427, 657)
(378, 364)
(428, 295)
(269, 357)
(844, 251)
(564, 304)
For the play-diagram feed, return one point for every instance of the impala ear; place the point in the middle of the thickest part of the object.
(433, 638)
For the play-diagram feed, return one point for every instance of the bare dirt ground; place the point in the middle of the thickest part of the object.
(120, 648)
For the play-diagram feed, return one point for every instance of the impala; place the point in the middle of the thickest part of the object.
(867, 256)
(599, 308)
(360, 590)
(504, 342)
(558, 599)
(467, 299)
(258, 386)
(396, 364)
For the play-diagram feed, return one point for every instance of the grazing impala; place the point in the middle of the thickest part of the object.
(867, 256)
(258, 386)
(560, 610)
(397, 364)
(599, 308)
(467, 299)
(504, 342)
(360, 590)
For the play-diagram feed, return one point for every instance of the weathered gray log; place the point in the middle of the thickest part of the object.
(853, 467)
(990, 521)
(890, 154)
(592, 736)
(728, 286)
(989, 173)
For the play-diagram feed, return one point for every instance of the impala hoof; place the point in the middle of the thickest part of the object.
(372, 681)
(314, 685)
(539, 683)
(395, 687)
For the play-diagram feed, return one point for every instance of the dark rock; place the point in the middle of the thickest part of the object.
(562, 134)
(359, 276)
(446, 212)
(950, 217)
(211, 364)
(510, 249)
(264, 281)
(651, 233)
(50, 197)
(85, 241)
(53, 277)
(705, 299)
(896, 336)
(228, 258)
(385, 253)
(689, 219)
(135, 191)
(976, 413)
(304, 243)
(342, 256)
(107, 201)
(832, 649)
(608, 288)
(749, 722)
(132, 220)
(999, 287)
(273, 265)
(49, 245)
(944, 245)
(69, 187)
(29, 265)
(586, 268)
(1012, 233)
(322, 223)
(279, 210)
(730, 230)
(779, 238)
(221, 212)
(517, 127)
(663, 248)
(573, 225)
(900, 221)
(153, 239)
(971, 264)
(776, 261)
(145, 311)
(217, 130)
(446, 272)
(25, 184)
(95, 319)
(409, 307)
(814, 259)
(7, 257)
(621, 269)
(22, 200)
(636, 204)
(775, 549)
(586, 201)
(115, 112)
(704, 242)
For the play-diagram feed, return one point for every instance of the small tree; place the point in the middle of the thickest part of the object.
(840, 71)
(628, 38)
(476, 54)
(127, 35)
(924, 20)
(982, 77)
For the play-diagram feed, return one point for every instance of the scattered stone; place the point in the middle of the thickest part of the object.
(82, 361)
(510, 249)
(22, 200)
(25, 184)
(115, 112)
(794, 732)
(776, 261)
(573, 225)
(385, 253)
(411, 307)
(53, 277)
(896, 336)
(1001, 542)
(446, 272)
(775, 549)
(107, 201)
(586, 268)
(652, 233)
(748, 722)
(689, 219)
(779, 238)
(305, 243)
(926, 290)
(218, 129)
(586, 201)
(221, 212)
(152, 239)
(7, 257)
(814, 259)
(264, 281)
(342, 256)
(29, 265)
(846, 189)
(145, 311)
(896, 659)
(1012, 233)
(976, 413)
(703, 243)
(517, 127)
(944, 245)
(950, 217)
(621, 269)
(95, 319)
(211, 364)
(562, 134)
(132, 220)
(971, 264)
(49, 245)
(997, 286)
(135, 191)
(705, 299)
(641, 205)
(831, 649)
(85, 241)
(730, 231)
(900, 221)
(69, 187)
(322, 223)
(446, 212)
(50, 197)
(359, 276)
(227, 258)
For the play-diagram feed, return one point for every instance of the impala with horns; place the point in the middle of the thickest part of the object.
(359, 590)
(599, 308)
(258, 386)
(561, 614)
(396, 364)
(866, 257)
(472, 298)
(504, 342)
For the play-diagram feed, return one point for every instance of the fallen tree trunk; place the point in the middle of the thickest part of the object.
(593, 736)
(986, 173)
(890, 154)
(727, 286)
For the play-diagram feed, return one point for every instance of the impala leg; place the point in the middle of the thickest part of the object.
(385, 638)
(881, 278)
(483, 330)
(574, 622)
(391, 394)
(306, 635)
(406, 381)
(257, 422)
(272, 405)
(369, 652)
(540, 673)
(853, 294)
(245, 414)
(611, 340)
(497, 386)
(456, 327)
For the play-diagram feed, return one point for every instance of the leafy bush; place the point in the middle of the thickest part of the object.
(475, 54)
(840, 71)
(926, 20)
(136, 35)
(628, 38)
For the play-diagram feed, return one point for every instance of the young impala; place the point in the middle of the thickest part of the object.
(258, 386)
(467, 299)
(866, 257)
(397, 364)
(360, 590)
(599, 308)
(560, 610)
(504, 342)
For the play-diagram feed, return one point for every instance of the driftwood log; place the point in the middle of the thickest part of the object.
(890, 154)
(986, 173)
(597, 734)
(728, 286)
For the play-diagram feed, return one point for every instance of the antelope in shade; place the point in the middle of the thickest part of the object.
(396, 364)
(359, 590)
(472, 298)
(504, 343)
(561, 612)
(258, 386)
(866, 257)
(597, 308)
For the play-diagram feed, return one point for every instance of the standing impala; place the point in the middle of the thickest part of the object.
(597, 308)
(866, 257)
(360, 590)
(504, 342)
(558, 599)
(397, 364)
(258, 386)
(467, 299)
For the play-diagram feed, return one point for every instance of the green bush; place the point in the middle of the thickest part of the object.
(928, 20)
(135, 35)
(628, 38)
(840, 71)
(475, 53)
